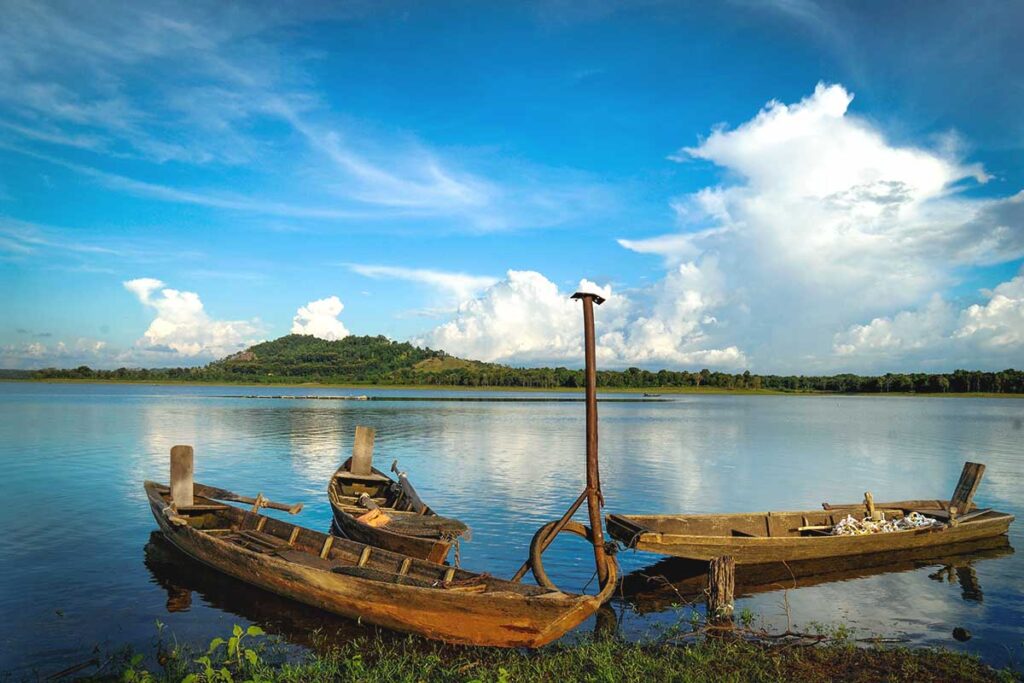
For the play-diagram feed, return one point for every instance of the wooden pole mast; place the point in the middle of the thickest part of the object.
(593, 470)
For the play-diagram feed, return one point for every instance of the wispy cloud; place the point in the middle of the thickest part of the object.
(48, 244)
(27, 238)
(457, 287)
(225, 76)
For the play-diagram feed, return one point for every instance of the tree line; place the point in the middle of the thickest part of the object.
(378, 360)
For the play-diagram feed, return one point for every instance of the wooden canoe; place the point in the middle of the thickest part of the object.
(429, 543)
(760, 537)
(358, 581)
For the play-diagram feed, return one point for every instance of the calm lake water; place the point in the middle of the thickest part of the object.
(78, 567)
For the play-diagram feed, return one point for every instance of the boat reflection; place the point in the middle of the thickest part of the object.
(300, 624)
(675, 581)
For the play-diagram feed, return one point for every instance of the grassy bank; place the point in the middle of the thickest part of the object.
(664, 391)
(245, 656)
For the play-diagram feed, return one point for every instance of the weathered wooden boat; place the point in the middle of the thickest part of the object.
(391, 514)
(359, 581)
(760, 537)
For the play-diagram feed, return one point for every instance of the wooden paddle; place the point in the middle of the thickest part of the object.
(222, 494)
(414, 499)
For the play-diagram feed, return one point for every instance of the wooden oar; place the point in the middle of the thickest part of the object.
(417, 504)
(222, 494)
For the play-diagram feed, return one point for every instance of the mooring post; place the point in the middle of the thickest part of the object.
(593, 470)
(721, 584)
(181, 476)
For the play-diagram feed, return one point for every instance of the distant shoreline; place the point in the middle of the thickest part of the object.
(569, 390)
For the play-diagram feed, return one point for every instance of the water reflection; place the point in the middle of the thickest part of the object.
(504, 469)
(674, 581)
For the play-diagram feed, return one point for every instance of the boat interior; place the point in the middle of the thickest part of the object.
(273, 537)
(347, 487)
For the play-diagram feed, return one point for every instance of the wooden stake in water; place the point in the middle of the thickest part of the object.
(181, 476)
(721, 584)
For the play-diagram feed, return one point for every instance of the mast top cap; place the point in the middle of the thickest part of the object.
(598, 299)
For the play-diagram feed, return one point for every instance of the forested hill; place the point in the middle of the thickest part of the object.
(378, 360)
(307, 358)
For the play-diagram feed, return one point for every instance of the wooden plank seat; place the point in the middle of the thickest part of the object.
(403, 580)
(258, 541)
(370, 477)
(353, 501)
(200, 509)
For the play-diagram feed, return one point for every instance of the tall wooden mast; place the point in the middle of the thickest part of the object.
(594, 497)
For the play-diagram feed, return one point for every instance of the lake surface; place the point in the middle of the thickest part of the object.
(78, 567)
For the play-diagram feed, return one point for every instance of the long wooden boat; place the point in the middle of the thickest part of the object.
(419, 533)
(753, 538)
(359, 581)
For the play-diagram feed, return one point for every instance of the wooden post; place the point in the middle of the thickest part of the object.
(721, 584)
(362, 451)
(593, 469)
(963, 495)
(869, 502)
(181, 476)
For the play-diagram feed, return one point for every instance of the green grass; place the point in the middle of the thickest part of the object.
(243, 655)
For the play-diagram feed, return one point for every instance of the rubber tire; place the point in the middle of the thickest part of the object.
(536, 565)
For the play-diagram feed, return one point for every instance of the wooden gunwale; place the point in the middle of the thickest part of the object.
(771, 536)
(502, 614)
(346, 525)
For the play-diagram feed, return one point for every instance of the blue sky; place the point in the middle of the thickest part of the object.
(785, 186)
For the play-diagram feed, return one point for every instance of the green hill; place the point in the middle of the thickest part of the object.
(307, 358)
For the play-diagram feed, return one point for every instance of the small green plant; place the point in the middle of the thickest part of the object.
(746, 617)
(238, 657)
(133, 674)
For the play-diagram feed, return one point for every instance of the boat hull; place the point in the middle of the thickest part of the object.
(346, 526)
(643, 533)
(495, 618)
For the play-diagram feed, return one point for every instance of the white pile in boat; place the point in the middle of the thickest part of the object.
(859, 527)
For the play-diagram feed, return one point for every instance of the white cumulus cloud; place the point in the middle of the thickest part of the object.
(999, 324)
(320, 319)
(823, 223)
(183, 327)
(525, 318)
(937, 332)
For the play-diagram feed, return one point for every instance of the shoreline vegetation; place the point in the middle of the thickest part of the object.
(379, 363)
(640, 391)
(245, 655)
